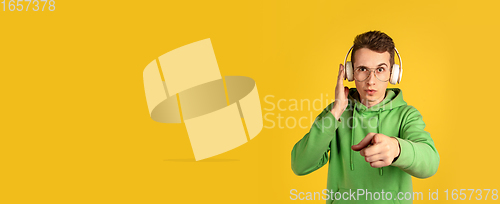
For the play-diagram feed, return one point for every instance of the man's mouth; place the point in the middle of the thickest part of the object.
(370, 91)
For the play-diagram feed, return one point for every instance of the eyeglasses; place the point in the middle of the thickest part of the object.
(362, 73)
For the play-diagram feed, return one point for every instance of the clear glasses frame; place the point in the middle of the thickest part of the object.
(370, 70)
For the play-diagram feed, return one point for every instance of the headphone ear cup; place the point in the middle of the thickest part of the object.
(349, 72)
(400, 75)
(395, 74)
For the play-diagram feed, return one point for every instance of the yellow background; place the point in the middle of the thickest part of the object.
(75, 125)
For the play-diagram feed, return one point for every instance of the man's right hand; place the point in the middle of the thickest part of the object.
(341, 94)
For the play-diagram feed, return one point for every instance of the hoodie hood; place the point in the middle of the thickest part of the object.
(393, 99)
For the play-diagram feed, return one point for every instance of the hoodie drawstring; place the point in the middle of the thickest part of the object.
(352, 135)
(379, 130)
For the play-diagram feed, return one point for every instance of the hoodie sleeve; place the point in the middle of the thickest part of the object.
(418, 156)
(311, 152)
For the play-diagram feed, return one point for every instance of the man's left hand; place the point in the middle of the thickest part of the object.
(379, 150)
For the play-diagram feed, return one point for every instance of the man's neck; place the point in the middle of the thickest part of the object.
(370, 104)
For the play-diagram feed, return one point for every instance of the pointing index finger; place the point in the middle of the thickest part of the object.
(365, 142)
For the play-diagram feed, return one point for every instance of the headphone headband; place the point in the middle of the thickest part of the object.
(400, 65)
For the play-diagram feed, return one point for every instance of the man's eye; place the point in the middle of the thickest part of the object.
(362, 69)
(380, 69)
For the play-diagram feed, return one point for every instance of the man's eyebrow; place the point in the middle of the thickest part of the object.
(363, 66)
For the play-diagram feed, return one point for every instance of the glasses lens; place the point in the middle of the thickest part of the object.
(361, 74)
(382, 74)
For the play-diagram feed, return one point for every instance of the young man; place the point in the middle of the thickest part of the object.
(375, 140)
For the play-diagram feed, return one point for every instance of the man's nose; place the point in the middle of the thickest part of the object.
(371, 78)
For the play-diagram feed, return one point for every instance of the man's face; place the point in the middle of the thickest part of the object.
(371, 91)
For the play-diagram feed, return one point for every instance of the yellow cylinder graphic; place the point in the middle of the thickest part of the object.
(185, 85)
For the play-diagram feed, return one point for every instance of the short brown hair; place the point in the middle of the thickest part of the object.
(376, 41)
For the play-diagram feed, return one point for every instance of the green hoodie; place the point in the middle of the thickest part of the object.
(348, 173)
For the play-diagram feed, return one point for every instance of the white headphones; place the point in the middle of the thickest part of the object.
(396, 72)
